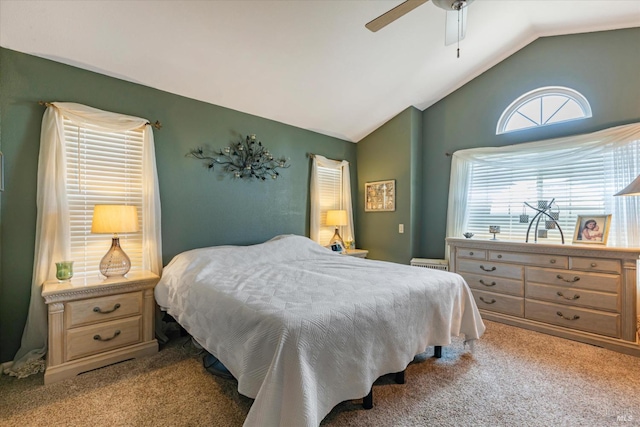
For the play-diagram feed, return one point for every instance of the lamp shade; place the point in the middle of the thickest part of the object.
(337, 217)
(114, 219)
(632, 189)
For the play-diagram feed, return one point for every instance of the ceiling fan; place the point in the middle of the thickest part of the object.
(456, 18)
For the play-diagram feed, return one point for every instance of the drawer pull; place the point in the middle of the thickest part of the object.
(487, 284)
(575, 279)
(593, 264)
(99, 310)
(499, 256)
(560, 294)
(487, 302)
(489, 269)
(470, 253)
(553, 261)
(575, 316)
(99, 338)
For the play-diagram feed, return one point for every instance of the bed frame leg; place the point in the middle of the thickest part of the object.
(400, 377)
(437, 351)
(367, 402)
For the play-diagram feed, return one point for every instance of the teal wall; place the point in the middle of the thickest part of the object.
(603, 66)
(198, 207)
(392, 152)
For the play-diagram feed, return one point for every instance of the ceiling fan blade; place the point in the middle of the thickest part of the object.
(395, 13)
(452, 25)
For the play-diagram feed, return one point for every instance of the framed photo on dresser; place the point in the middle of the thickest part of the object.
(592, 229)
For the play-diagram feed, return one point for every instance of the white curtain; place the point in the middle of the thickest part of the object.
(345, 203)
(542, 154)
(52, 221)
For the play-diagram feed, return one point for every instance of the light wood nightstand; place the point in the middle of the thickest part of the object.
(360, 253)
(94, 323)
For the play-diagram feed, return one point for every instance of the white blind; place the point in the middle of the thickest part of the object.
(330, 196)
(102, 168)
(581, 187)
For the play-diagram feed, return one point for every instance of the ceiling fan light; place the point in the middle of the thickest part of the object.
(452, 4)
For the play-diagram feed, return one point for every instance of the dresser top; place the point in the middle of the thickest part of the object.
(589, 250)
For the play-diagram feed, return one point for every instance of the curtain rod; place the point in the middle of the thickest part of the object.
(156, 125)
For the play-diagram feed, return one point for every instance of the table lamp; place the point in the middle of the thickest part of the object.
(114, 219)
(337, 218)
(632, 189)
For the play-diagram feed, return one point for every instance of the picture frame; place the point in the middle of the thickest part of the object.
(380, 196)
(599, 233)
(337, 247)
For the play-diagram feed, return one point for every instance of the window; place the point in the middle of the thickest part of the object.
(330, 181)
(330, 189)
(542, 107)
(582, 173)
(102, 168)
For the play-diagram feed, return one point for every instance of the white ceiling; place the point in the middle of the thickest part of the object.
(310, 64)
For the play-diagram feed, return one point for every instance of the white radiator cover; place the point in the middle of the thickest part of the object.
(437, 264)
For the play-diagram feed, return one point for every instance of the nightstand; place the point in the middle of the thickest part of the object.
(94, 322)
(360, 253)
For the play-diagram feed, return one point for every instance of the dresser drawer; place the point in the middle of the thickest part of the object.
(471, 253)
(494, 284)
(575, 318)
(575, 279)
(492, 269)
(499, 302)
(543, 260)
(574, 297)
(101, 309)
(93, 339)
(591, 264)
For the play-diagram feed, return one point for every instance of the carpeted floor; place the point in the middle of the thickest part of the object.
(514, 378)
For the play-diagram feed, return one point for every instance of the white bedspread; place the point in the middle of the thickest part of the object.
(303, 328)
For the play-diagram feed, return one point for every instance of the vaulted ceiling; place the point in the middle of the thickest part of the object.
(310, 64)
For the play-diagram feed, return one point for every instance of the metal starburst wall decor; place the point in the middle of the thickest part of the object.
(245, 159)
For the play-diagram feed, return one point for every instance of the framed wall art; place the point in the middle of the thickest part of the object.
(592, 229)
(380, 196)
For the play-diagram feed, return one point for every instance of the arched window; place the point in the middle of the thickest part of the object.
(543, 106)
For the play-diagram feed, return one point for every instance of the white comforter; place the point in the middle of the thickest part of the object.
(303, 328)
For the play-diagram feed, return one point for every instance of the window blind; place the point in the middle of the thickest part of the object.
(330, 181)
(584, 186)
(102, 168)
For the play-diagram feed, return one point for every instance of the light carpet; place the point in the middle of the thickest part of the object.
(515, 377)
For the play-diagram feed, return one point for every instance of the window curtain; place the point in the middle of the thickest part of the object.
(52, 221)
(315, 222)
(612, 142)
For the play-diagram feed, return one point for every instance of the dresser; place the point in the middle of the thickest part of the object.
(94, 322)
(583, 292)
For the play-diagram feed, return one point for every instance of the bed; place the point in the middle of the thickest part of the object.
(302, 328)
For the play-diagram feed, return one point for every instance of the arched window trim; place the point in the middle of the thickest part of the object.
(540, 93)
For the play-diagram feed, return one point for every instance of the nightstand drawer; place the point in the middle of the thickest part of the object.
(102, 309)
(88, 340)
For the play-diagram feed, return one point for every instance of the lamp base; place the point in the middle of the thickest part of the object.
(337, 239)
(115, 263)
